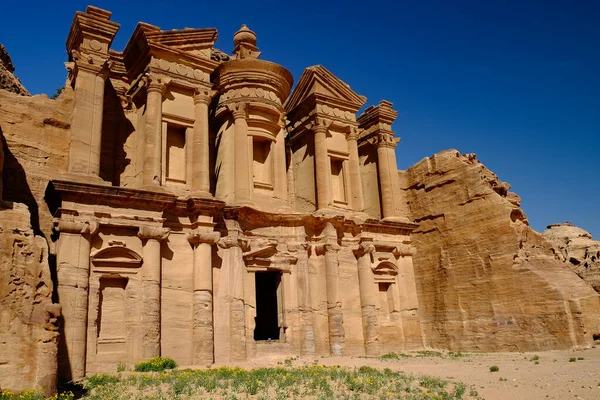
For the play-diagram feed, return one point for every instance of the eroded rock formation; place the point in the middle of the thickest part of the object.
(28, 319)
(578, 250)
(486, 280)
(8, 80)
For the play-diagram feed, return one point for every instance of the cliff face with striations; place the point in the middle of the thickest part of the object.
(486, 280)
(579, 251)
(28, 319)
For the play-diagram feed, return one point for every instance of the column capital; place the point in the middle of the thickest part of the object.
(157, 83)
(153, 232)
(92, 64)
(354, 134)
(77, 226)
(387, 140)
(234, 241)
(404, 250)
(196, 237)
(239, 110)
(203, 95)
(319, 124)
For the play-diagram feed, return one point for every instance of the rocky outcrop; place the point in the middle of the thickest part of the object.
(486, 280)
(578, 250)
(28, 319)
(8, 80)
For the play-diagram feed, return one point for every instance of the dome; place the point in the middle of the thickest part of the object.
(244, 36)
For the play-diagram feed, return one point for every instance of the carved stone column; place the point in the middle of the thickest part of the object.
(151, 280)
(235, 245)
(334, 307)
(281, 187)
(202, 325)
(153, 133)
(307, 333)
(368, 297)
(243, 171)
(387, 169)
(73, 270)
(356, 190)
(200, 147)
(86, 127)
(322, 165)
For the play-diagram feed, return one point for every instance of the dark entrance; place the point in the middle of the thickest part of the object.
(267, 325)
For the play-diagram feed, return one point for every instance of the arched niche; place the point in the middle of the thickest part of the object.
(385, 274)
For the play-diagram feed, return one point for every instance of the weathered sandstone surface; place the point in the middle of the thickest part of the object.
(28, 319)
(8, 81)
(486, 280)
(578, 250)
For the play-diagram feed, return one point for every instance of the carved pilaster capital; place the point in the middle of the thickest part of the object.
(363, 249)
(239, 110)
(92, 64)
(319, 125)
(387, 140)
(404, 250)
(196, 237)
(89, 227)
(155, 83)
(234, 241)
(203, 95)
(354, 134)
(153, 232)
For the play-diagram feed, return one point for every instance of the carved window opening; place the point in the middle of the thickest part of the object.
(175, 153)
(385, 277)
(386, 298)
(338, 181)
(268, 305)
(111, 313)
(262, 163)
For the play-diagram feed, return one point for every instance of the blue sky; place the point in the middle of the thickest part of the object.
(516, 82)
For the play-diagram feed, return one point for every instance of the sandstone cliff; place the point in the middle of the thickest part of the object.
(486, 280)
(28, 319)
(578, 250)
(8, 81)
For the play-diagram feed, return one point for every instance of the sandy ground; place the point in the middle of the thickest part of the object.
(518, 378)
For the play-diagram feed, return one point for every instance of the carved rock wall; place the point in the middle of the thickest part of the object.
(579, 251)
(28, 319)
(36, 144)
(486, 280)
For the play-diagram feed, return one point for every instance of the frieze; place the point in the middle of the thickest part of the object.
(180, 69)
(256, 93)
(336, 112)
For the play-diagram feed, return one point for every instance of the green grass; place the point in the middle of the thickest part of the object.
(308, 382)
(156, 364)
(394, 356)
(34, 394)
(494, 368)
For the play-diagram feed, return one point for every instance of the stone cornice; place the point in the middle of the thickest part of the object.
(92, 31)
(87, 193)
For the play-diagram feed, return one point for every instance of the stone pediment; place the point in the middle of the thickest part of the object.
(190, 47)
(116, 255)
(318, 85)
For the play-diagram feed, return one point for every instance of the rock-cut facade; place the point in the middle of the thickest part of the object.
(179, 201)
(211, 214)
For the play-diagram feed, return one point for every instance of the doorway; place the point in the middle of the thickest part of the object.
(267, 321)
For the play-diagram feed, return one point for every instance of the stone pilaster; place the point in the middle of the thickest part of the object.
(235, 245)
(242, 166)
(151, 282)
(368, 300)
(153, 133)
(322, 162)
(387, 170)
(334, 306)
(281, 187)
(200, 175)
(73, 270)
(202, 324)
(88, 107)
(356, 191)
(307, 332)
